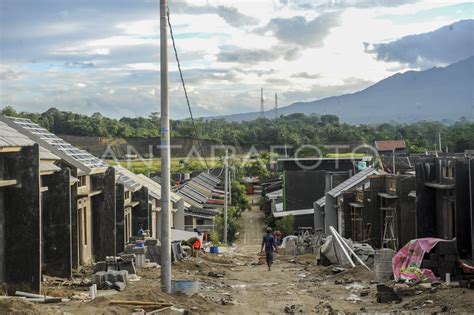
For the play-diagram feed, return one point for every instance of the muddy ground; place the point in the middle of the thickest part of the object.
(294, 286)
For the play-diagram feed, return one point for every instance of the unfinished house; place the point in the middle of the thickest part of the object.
(383, 214)
(130, 206)
(92, 197)
(204, 199)
(308, 179)
(177, 211)
(328, 210)
(391, 147)
(56, 188)
(444, 201)
(146, 215)
(20, 217)
(203, 189)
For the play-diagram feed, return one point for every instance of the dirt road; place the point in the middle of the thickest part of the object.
(295, 285)
(252, 227)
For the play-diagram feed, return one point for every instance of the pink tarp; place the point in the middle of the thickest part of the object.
(412, 254)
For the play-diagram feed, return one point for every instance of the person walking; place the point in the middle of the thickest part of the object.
(269, 244)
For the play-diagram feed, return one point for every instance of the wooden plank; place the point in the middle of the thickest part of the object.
(8, 182)
(10, 149)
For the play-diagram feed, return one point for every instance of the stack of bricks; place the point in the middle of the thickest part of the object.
(112, 263)
(443, 259)
(111, 279)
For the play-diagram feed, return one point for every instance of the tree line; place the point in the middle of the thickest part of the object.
(294, 130)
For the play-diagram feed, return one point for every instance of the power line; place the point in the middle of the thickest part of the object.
(185, 91)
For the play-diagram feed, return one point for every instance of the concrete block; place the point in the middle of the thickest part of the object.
(111, 276)
(119, 286)
(100, 266)
(139, 250)
(129, 266)
(98, 278)
(122, 276)
(129, 248)
(140, 260)
(107, 285)
(128, 257)
(151, 242)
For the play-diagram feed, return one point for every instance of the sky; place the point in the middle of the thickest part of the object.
(103, 56)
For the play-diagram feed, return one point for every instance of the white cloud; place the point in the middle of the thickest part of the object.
(103, 56)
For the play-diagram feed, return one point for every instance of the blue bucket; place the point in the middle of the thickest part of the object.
(214, 250)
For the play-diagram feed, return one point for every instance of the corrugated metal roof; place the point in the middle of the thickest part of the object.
(352, 182)
(210, 177)
(9, 137)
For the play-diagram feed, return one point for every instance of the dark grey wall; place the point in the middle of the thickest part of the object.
(371, 213)
(23, 222)
(425, 200)
(57, 235)
(406, 211)
(306, 220)
(349, 197)
(141, 214)
(471, 181)
(313, 165)
(103, 215)
(74, 224)
(302, 188)
(463, 209)
(120, 217)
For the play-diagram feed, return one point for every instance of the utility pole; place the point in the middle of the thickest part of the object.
(262, 109)
(165, 153)
(226, 182)
(439, 141)
(276, 106)
(230, 178)
(393, 161)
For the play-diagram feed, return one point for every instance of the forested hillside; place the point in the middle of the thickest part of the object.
(294, 130)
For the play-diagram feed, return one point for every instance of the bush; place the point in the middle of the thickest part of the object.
(238, 194)
(285, 225)
(233, 224)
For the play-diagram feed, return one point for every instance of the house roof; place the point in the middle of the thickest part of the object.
(275, 194)
(353, 181)
(390, 145)
(9, 137)
(321, 202)
(354, 158)
(45, 154)
(293, 212)
(48, 167)
(127, 178)
(81, 159)
(148, 182)
(153, 191)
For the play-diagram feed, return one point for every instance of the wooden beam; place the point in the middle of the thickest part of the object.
(8, 182)
(10, 149)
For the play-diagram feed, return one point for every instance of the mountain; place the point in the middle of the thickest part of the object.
(434, 94)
